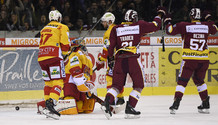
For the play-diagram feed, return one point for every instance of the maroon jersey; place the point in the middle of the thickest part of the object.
(194, 36)
(126, 37)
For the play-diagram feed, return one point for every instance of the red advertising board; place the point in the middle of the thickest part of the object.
(213, 40)
(2, 42)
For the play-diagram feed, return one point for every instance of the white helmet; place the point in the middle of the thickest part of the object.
(55, 15)
(195, 13)
(131, 15)
(107, 17)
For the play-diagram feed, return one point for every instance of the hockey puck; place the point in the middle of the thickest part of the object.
(17, 108)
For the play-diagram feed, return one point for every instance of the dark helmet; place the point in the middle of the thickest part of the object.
(131, 15)
(195, 13)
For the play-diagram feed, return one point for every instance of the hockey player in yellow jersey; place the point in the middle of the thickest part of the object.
(54, 44)
(78, 82)
(108, 22)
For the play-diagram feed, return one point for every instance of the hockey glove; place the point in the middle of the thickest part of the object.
(99, 64)
(111, 62)
(167, 19)
(161, 11)
(206, 16)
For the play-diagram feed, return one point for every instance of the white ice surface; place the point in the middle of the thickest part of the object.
(154, 111)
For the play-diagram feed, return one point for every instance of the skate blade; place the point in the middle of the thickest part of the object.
(204, 111)
(131, 116)
(48, 114)
(118, 108)
(108, 116)
(40, 110)
(172, 111)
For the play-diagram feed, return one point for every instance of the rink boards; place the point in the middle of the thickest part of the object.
(20, 74)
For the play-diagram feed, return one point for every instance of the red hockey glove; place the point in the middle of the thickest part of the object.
(161, 11)
(99, 65)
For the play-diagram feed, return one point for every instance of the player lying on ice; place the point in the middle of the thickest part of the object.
(77, 84)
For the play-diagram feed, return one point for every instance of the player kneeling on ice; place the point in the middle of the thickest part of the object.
(77, 84)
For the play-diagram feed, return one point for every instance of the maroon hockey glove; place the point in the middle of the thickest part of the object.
(167, 19)
(206, 16)
(161, 11)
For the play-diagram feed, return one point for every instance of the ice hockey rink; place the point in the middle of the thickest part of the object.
(154, 111)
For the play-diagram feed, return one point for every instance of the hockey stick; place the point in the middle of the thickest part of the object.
(94, 69)
(115, 110)
(162, 28)
(90, 30)
(169, 6)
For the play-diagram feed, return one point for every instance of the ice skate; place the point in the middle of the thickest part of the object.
(175, 106)
(49, 111)
(49, 114)
(40, 110)
(106, 108)
(205, 106)
(130, 112)
(120, 101)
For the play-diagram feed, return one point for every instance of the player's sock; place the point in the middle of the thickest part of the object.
(175, 105)
(205, 106)
(130, 112)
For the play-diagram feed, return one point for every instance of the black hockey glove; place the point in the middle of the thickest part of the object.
(110, 62)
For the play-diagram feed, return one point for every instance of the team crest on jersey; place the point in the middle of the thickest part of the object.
(74, 61)
(105, 41)
(55, 72)
(45, 75)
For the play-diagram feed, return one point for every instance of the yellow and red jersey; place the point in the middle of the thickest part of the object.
(54, 41)
(104, 53)
(76, 64)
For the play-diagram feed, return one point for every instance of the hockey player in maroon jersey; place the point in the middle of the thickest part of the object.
(125, 38)
(195, 56)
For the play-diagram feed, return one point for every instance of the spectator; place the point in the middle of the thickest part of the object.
(80, 25)
(4, 7)
(2, 24)
(66, 21)
(102, 7)
(68, 10)
(13, 23)
(28, 13)
(15, 6)
(181, 15)
(43, 22)
(26, 26)
(153, 4)
(119, 12)
(140, 7)
(93, 16)
(41, 9)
